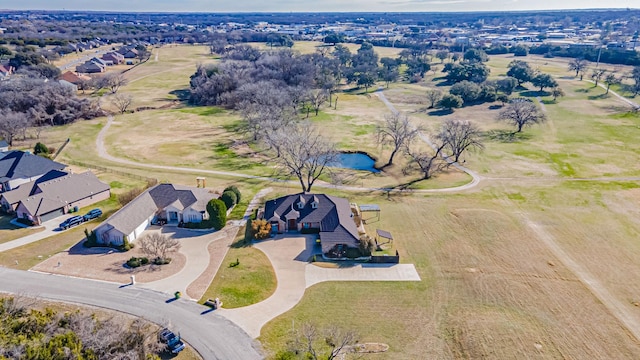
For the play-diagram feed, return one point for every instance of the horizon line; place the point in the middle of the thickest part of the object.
(324, 12)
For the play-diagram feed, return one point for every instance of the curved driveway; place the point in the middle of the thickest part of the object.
(211, 335)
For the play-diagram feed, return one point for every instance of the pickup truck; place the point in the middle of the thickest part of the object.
(172, 341)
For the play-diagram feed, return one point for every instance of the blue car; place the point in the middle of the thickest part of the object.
(71, 222)
(92, 214)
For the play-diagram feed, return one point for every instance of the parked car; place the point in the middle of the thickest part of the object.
(92, 214)
(172, 341)
(71, 222)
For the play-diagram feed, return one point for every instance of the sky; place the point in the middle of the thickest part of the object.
(314, 5)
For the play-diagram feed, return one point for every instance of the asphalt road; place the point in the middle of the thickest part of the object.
(211, 335)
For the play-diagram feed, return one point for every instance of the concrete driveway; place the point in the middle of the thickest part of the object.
(194, 245)
(50, 229)
(289, 256)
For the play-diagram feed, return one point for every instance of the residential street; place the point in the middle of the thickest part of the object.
(212, 336)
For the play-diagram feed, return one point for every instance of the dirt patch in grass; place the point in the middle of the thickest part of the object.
(108, 265)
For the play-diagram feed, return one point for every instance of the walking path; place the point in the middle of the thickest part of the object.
(212, 336)
(102, 152)
(289, 257)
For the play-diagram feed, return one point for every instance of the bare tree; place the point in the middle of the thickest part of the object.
(112, 81)
(459, 136)
(12, 124)
(158, 245)
(122, 101)
(521, 112)
(557, 92)
(325, 344)
(611, 79)
(396, 131)
(427, 162)
(579, 65)
(316, 98)
(433, 96)
(597, 75)
(305, 153)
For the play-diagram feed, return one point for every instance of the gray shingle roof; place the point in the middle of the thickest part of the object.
(17, 164)
(31, 188)
(60, 191)
(155, 199)
(333, 214)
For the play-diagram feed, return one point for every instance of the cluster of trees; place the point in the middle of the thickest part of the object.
(28, 333)
(522, 72)
(27, 102)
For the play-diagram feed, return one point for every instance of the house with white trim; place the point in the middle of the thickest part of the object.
(167, 203)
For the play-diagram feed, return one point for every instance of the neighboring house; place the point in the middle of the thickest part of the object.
(327, 215)
(58, 196)
(9, 199)
(131, 54)
(90, 67)
(115, 57)
(72, 87)
(167, 202)
(73, 78)
(4, 146)
(18, 167)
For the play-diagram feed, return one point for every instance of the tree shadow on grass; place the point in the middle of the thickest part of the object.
(598, 97)
(441, 112)
(533, 93)
(495, 107)
(182, 94)
(506, 136)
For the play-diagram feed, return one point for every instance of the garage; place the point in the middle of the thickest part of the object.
(51, 215)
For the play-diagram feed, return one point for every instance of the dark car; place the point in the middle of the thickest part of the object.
(92, 214)
(172, 341)
(71, 222)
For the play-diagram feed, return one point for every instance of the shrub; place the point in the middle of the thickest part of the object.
(260, 229)
(217, 213)
(235, 191)
(229, 198)
(161, 261)
(126, 246)
(367, 245)
(134, 262)
(126, 197)
(40, 148)
(144, 260)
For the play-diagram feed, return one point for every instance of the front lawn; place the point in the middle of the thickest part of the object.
(250, 281)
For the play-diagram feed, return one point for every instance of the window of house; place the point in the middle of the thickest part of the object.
(314, 205)
(306, 225)
(300, 205)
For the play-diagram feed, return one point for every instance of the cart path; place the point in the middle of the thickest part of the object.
(102, 152)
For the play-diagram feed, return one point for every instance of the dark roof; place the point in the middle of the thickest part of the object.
(17, 164)
(151, 201)
(333, 214)
(25, 190)
(58, 192)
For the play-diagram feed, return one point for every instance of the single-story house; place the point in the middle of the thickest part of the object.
(115, 57)
(330, 216)
(18, 167)
(90, 67)
(56, 197)
(9, 200)
(170, 203)
(73, 78)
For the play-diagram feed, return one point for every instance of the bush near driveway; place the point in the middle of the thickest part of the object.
(217, 213)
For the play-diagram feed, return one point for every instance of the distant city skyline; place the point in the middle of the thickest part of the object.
(316, 6)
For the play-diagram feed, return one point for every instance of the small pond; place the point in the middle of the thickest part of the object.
(356, 161)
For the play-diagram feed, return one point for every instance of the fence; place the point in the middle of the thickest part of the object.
(385, 259)
(150, 181)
